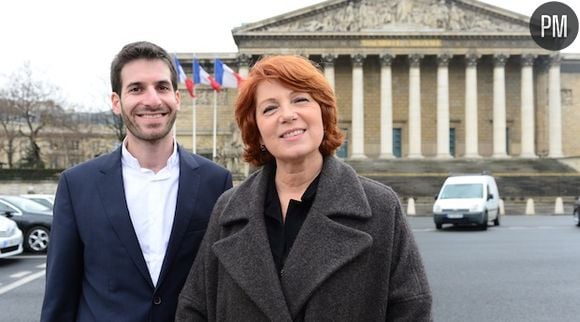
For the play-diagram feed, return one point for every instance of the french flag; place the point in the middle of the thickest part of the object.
(200, 76)
(183, 77)
(225, 76)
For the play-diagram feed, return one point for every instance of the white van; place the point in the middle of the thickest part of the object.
(467, 199)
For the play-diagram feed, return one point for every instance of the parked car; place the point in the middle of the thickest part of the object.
(32, 218)
(10, 238)
(576, 212)
(45, 199)
(467, 199)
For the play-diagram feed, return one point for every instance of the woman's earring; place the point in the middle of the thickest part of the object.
(262, 148)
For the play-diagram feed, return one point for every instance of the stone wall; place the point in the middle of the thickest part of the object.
(570, 84)
(32, 186)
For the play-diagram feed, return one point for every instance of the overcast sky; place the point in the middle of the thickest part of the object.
(72, 42)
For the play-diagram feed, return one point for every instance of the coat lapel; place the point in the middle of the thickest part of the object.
(323, 245)
(246, 254)
(187, 195)
(112, 195)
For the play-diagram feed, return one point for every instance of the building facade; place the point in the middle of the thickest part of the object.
(74, 138)
(414, 79)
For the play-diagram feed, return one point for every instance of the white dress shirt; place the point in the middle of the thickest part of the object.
(151, 200)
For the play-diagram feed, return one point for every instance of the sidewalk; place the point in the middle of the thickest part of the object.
(518, 207)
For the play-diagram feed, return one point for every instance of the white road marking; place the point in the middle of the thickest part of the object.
(43, 265)
(20, 274)
(536, 227)
(29, 256)
(21, 282)
(505, 227)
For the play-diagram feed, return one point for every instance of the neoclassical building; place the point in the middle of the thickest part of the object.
(415, 79)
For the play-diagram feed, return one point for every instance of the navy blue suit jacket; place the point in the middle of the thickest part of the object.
(95, 268)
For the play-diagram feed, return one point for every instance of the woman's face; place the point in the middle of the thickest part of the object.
(290, 122)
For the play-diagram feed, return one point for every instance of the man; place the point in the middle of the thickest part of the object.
(127, 225)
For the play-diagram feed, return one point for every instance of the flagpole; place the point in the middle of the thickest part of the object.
(194, 125)
(193, 108)
(214, 124)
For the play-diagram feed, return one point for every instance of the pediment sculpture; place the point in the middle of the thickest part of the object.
(397, 15)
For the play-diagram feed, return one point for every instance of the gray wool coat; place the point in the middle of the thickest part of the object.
(354, 258)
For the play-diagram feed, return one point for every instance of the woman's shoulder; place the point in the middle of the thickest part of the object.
(376, 190)
(244, 191)
(347, 179)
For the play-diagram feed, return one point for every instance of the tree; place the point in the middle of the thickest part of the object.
(115, 122)
(32, 159)
(34, 102)
(10, 129)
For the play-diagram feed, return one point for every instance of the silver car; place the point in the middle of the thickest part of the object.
(10, 238)
(44, 199)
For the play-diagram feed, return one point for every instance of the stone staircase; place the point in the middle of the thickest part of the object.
(516, 178)
(542, 180)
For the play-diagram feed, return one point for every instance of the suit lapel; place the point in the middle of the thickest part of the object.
(112, 193)
(187, 195)
(246, 254)
(323, 245)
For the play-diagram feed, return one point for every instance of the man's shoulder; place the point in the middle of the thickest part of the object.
(202, 161)
(93, 165)
(205, 163)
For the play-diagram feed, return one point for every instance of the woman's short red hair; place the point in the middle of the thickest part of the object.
(298, 74)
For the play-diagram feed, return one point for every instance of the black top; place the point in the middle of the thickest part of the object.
(283, 234)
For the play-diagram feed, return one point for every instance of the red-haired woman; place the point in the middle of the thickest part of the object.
(304, 238)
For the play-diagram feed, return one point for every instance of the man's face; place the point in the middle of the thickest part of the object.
(148, 103)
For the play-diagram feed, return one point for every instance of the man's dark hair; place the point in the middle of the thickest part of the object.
(138, 50)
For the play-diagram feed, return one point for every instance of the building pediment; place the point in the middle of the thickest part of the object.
(394, 17)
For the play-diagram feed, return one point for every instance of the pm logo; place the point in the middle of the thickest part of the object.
(554, 26)
(557, 24)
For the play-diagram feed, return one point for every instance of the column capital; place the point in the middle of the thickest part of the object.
(328, 59)
(443, 59)
(415, 60)
(471, 59)
(499, 60)
(386, 59)
(358, 59)
(528, 59)
(554, 59)
(243, 59)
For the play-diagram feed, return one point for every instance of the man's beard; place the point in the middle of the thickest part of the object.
(137, 131)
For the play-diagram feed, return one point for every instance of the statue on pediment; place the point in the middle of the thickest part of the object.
(402, 9)
(391, 15)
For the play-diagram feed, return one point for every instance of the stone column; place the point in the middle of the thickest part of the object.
(527, 110)
(358, 115)
(328, 61)
(471, 136)
(243, 70)
(386, 123)
(415, 106)
(555, 108)
(443, 106)
(499, 107)
(243, 65)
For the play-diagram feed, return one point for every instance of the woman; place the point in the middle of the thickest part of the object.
(303, 238)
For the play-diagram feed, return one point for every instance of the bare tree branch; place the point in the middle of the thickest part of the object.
(9, 123)
(34, 102)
